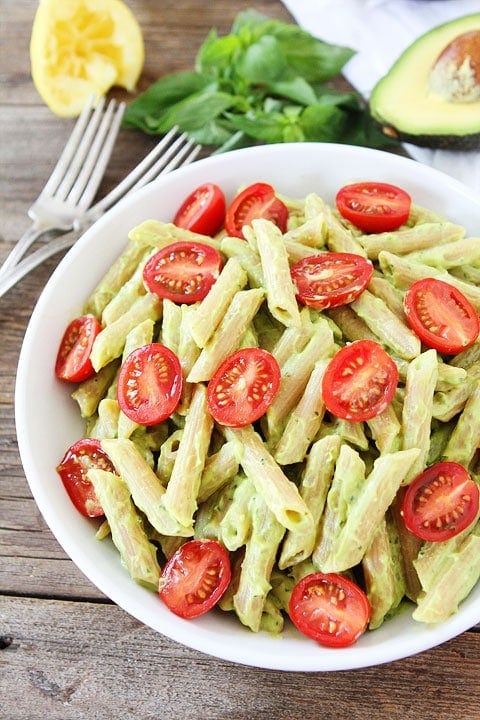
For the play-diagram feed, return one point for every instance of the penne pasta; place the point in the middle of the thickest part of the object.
(279, 288)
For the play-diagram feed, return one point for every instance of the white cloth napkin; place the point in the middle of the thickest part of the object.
(379, 30)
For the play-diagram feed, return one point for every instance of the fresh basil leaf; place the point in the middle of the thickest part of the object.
(262, 62)
(248, 19)
(269, 128)
(213, 133)
(322, 123)
(297, 89)
(162, 94)
(216, 54)
(330, 96)
(312, 58)
(195, 111)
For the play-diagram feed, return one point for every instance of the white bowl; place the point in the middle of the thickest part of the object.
(48, 421)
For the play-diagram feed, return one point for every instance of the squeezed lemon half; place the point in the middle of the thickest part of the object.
(82, 47)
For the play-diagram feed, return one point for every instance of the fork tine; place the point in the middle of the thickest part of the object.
(174, 156)
(69, 150)
(83, 147)
(126, 184)
(88, 180)
(181, 159)
(168, 159)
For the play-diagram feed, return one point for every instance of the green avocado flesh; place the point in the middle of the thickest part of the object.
(431, 95)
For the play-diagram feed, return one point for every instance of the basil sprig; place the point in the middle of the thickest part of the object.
(267, 81)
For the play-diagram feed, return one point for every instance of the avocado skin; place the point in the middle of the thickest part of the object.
(434, 142)
(402, 107)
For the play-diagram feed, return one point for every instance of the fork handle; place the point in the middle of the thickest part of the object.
(10, 277)
(19, 249)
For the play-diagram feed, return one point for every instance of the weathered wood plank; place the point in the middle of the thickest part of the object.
(78, 660)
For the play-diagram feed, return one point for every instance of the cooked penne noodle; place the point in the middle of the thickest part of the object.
(295, 374)
(110, 342)
(417, 408)
(405, 272)
(279, 288)
(465, 438)
(219, 469)
(146, 489)
(260, 552)
(90, 392)
(304, 421)
(409, 240)
(461, 252)
(387, 326)
(358, 517)
(315, 483)
(236, 524)
(228, 335)
(155, 234)
(106, 425)
(383, 573)
(138, 554)
(171, 321)
(280, 493)
(249, 259)
(182, 489)
(209, 313)
(115, 278)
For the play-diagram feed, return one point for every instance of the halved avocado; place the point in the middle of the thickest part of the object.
(431, 95)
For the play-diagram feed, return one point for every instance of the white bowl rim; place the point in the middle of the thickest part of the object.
(258, 650)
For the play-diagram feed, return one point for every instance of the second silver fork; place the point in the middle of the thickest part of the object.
(172, 152)
(73, 184)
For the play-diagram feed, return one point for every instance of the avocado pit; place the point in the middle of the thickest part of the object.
(456, 74)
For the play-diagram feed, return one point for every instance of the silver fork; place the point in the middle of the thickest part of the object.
(173, 151)
(74, 181)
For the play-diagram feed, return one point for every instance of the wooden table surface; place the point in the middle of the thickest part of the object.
(66, 651)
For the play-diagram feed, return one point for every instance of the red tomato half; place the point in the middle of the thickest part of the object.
(150, 384)
(203, 211)
(77, 461)
(374, 206)
(256, 201)
(330, 279)
(243, 387)
(330, 609)
(182, 272)
(195, 578)
(360, 381)
(440, 502)
(441, 316)
(73, 357)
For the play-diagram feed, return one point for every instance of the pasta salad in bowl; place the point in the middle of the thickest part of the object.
(257, 418)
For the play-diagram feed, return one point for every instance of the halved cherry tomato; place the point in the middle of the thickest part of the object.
(203, 211)
(330, 279)
(243, 387)
(374, 206)
(330, 609)
(360, 381)
(182, 272)
(73, 357)
(441, 316)
(77, 461)
(256, 201)
(150, 384)
(440, 502)
(195, 578)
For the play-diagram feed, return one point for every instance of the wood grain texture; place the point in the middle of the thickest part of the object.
(67, 652)
(83, 660)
